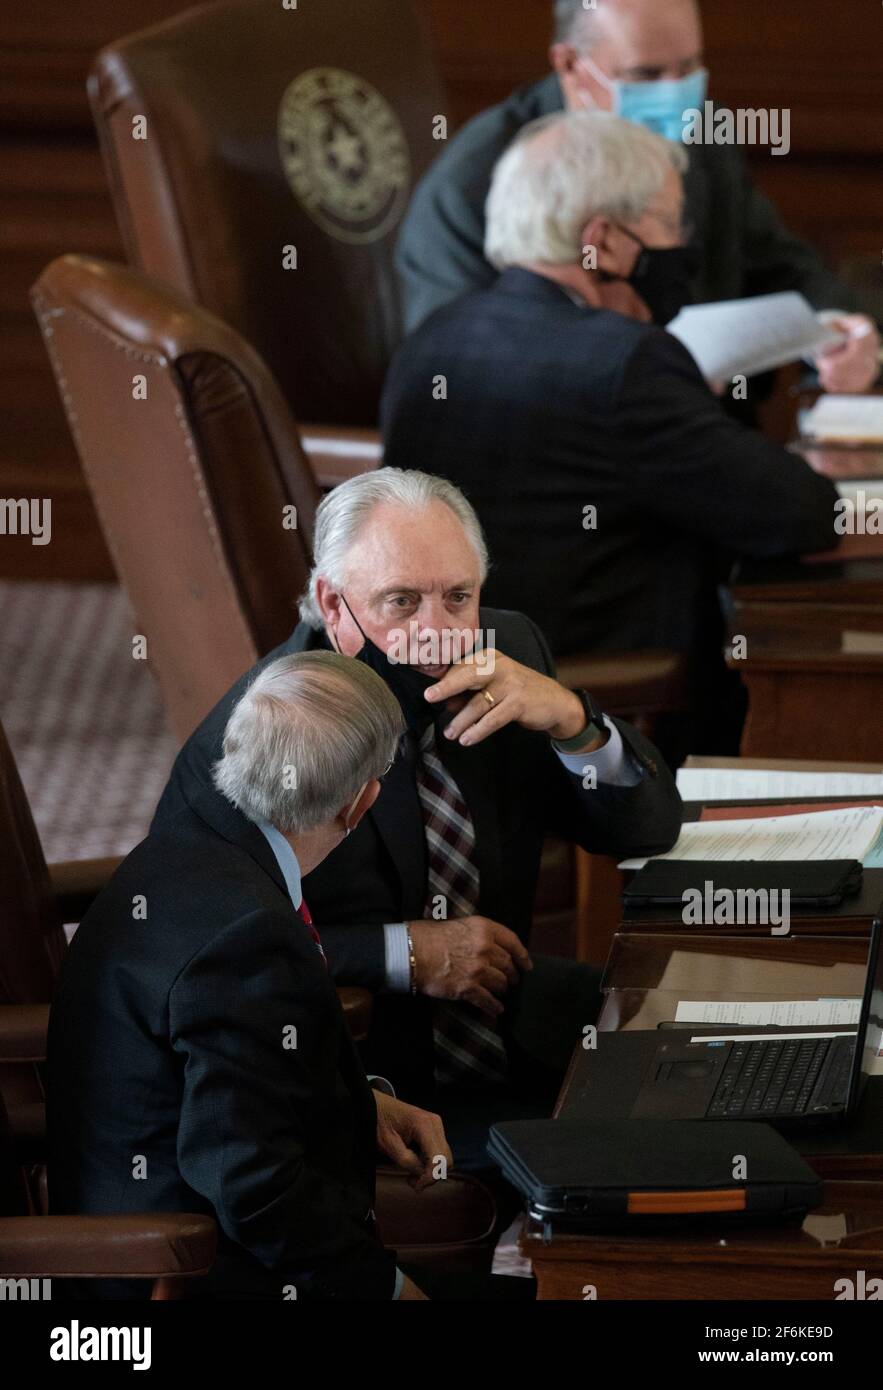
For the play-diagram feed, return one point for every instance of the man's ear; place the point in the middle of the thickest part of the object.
(562, 57)
(598, 237)
(352, 814)
(328, 600)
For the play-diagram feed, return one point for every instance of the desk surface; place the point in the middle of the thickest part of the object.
(802, 1261)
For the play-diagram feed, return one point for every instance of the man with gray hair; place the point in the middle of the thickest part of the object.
(643, 60)
(198, 1056)
(614, 489)
(430, 900)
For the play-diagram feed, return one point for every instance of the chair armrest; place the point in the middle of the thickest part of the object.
(155, 1245)
(78, 882)
(23, 1029)
(627, 683)
(356, 1004)
(451, 1225)
(337, 453)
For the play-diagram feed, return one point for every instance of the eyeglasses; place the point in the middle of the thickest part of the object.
(388, 768)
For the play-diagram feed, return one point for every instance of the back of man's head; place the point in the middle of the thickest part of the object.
(563, 170)
(586, 23)
(309, 732)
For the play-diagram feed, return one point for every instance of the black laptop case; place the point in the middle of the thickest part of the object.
(643, 1174)
(810, 883)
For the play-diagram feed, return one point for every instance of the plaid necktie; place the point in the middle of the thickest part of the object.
(467, 1044)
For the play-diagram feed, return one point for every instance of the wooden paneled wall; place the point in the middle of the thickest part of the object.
(824, 61)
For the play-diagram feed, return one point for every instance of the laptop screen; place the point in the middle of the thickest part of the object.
(870, 1029)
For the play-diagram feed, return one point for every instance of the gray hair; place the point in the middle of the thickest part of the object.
(343, 512)
(576, 23)
(308, 733)
(561, 171)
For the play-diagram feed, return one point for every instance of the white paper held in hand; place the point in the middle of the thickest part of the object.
(744, 337)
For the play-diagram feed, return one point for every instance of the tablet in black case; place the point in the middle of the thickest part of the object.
(643, 1174)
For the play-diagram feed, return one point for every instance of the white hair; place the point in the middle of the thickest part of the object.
(343, 512)
(561, 171)
(309, 732)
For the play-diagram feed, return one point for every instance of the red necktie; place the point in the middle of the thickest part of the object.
(307, 918)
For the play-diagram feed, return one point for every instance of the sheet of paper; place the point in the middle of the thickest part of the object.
(755, 1037)
(865, 494)
(874, 857)
(749, 336)
(862, 643)
(762, 784)
(857, 418)
(785, 1013)
(849, 834)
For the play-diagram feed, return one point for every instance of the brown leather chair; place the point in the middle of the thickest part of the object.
(166, 1247)
(267, 128)
(192, 457)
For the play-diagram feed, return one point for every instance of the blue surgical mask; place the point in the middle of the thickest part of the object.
(659, 106)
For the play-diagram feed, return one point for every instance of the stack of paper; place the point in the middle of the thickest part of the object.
(784, 1013)
(844, 834)
(839, 418)
(744, 337)
(764, 784)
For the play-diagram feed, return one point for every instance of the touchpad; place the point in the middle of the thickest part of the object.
(684, 1071)
(677, 1087)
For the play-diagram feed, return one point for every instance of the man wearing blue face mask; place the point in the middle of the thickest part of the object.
(643, 60)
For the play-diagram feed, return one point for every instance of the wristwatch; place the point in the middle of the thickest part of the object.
(595, 726)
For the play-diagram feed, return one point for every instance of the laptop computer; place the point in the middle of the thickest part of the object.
(805, 1076)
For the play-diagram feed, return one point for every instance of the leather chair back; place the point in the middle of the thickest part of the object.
(260, 160)
(32, 942)
(195, 466)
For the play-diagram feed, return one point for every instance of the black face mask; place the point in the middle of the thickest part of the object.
(662, 276)
(405, 683)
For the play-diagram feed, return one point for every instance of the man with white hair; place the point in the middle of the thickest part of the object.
(198, 1056)
(614, 489)
(429, 902)
(643, 60)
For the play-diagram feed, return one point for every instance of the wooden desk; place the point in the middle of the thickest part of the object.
(756, 1262)
(814, 629)
(648, 973)
(796, 1262)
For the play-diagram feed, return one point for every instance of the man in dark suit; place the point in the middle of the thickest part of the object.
(614, 489)
(643, 60)
(429, 901)
(198, 1056)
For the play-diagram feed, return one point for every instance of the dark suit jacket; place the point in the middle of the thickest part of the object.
(166, 1044)
(746, 249)
(552, 407)
(517, 791)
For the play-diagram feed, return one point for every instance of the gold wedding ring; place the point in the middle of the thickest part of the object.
(489, 697)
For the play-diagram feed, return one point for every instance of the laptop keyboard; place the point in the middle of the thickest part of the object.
(778, 1077)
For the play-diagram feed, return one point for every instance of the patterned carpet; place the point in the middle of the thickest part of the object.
(84, 719)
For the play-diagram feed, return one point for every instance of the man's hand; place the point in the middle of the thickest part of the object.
(852, 366)
(518, 695)
(468, 958)
(412, 1139)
